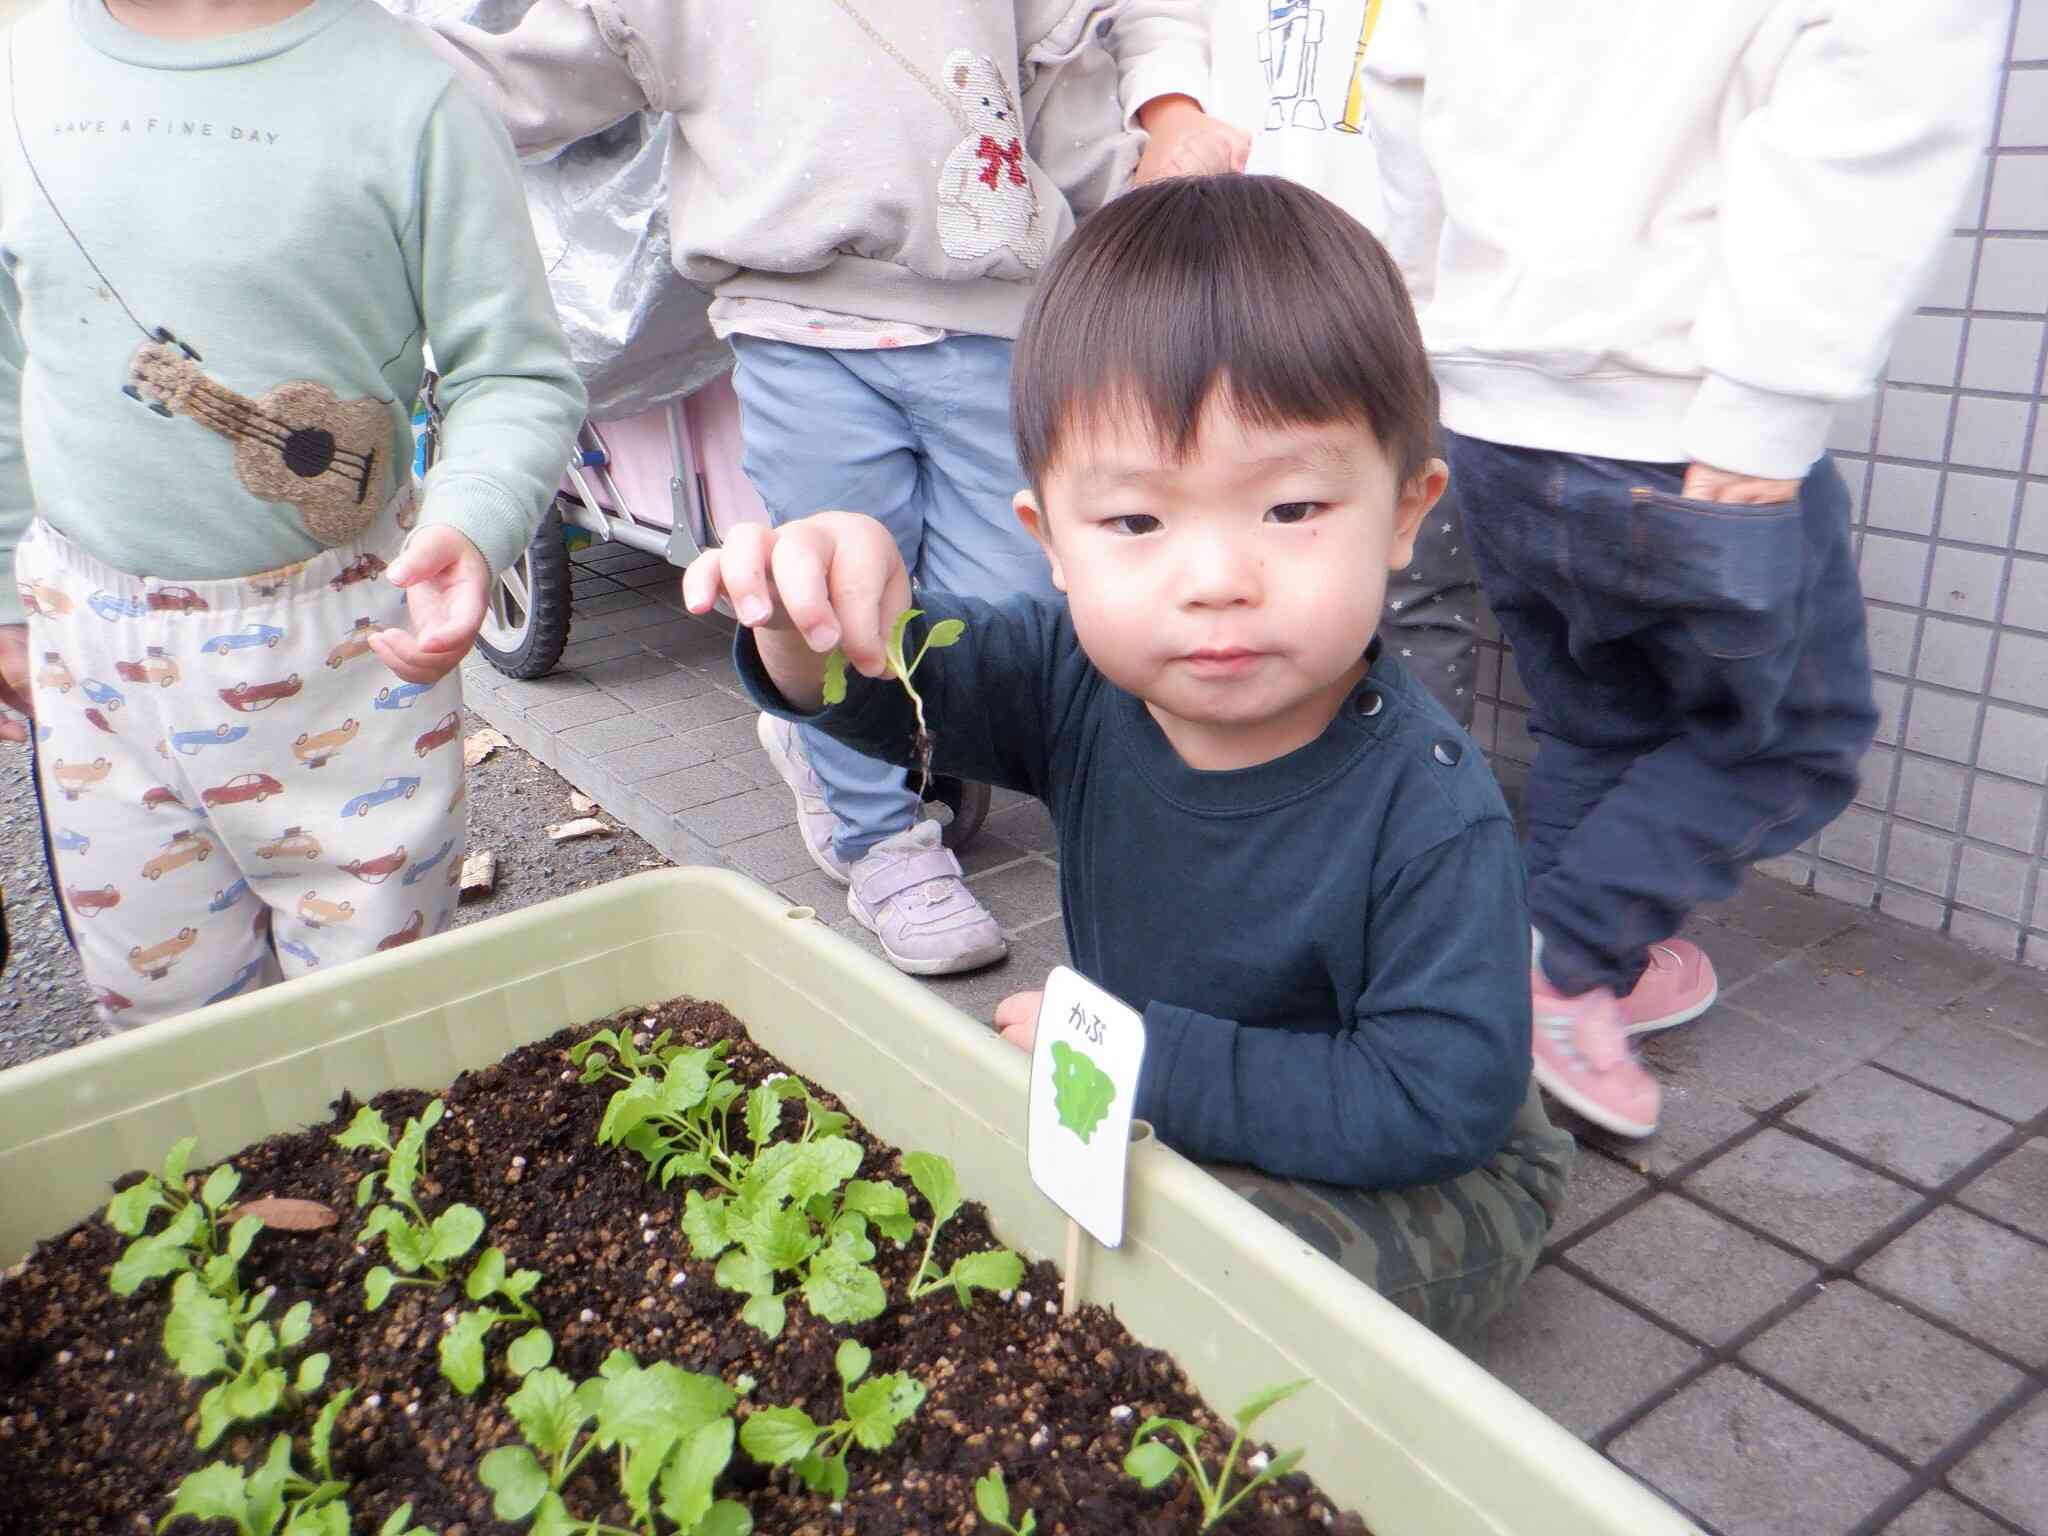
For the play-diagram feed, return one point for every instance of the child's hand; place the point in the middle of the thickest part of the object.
(1705, 483)
(14, 689)
(1017, 1018)
(1186, 141)
(832, 580)
(447, 588)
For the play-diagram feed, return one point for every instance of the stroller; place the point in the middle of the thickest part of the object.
(657, 466)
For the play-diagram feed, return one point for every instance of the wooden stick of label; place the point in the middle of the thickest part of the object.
(1070, 1285)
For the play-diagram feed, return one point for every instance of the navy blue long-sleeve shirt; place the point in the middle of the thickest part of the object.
(1331, 950)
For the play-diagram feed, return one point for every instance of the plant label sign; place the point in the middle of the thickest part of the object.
(1084, 1082)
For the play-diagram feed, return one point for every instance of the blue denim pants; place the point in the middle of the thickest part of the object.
(1700, 682)
(919, 438)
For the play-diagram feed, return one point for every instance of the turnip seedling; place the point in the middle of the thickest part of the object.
(942, 634)
(875, 1410)
(992, 1500)
(462, 1346)
(672, 1429)
(995, 1269)
(1152, 1461)
(413, 1242)
(191, 1240)
(673, 1109)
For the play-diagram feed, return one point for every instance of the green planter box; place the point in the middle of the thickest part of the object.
(1404, 1428)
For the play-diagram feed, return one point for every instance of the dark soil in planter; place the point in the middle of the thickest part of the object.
(96, 1425)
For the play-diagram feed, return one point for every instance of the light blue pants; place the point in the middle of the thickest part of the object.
(919, 438)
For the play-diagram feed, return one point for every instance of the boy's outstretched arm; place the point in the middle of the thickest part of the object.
(1424, 1080)
(555, 78)
(511, 398)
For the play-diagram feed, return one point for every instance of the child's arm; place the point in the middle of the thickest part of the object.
(510, 397)
(16, 508)
(1161, 49)
(1421, 1083)
(555, 78)
(836, 579)
(1836, 195)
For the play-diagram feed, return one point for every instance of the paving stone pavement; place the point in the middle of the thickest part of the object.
(1816, 1304)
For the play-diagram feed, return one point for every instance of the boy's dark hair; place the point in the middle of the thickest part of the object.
(1180, 282)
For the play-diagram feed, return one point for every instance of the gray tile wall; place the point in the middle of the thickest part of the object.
(1948, 464)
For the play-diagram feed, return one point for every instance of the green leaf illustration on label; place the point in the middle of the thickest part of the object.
(1082, 1091)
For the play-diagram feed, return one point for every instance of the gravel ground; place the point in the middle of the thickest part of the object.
(44, 1005)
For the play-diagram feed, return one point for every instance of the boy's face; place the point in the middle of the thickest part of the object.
(1234, 592)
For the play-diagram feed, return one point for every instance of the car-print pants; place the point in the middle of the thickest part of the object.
(235, 789)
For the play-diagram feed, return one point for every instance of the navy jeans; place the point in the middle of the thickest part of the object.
(1700, 678)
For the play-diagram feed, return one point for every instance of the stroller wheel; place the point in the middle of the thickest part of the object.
(527, 622)
(965, 806)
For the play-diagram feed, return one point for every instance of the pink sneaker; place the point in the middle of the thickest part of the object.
(1582, 1057)
(1679, 986)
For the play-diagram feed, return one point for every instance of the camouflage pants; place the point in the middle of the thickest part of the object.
(1432, 611)
(1448, 1254)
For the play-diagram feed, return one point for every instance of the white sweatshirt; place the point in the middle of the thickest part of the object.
(1674, 232)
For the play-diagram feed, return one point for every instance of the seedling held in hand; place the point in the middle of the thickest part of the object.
(996, 1269)
(942, 634)
(672, 1429)
(1152, 1461)
(992, 1500)
(413, 1242)
(875, 1410)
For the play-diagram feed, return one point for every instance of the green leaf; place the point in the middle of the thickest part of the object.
(407, 1244)
(548, 1411)
(462, 1351)
(684, 1083)
(455, 1233)
(728, 1517)
(597, 1039)
(198, 1330)
(935, 1180)
(529, 1352)
(883, 1204)
(840, 1289)
(367, 1132)
(740, 1271)
(251, 1397)
(214, 1418)
(295, 1325)
(944, 633)
(798, 1170)
(764, 1110)
(267, 1486)
(770, 1314)
(826, 1474)
(704, 1225)
(520, 1285)
(323, 1430)
(835, 677)
(515, 1479)
(318, 1520)
(377, 1286)
(1151, 1463)
(398, 1522)
(896, 633)
(240, 1236)
(783, 1239)
(312, 1373)
(177, 1160)
(998, 1269)
(1254, 1407)
(486, 1275)
(852, 1361)
(687, 1479)
(777, 1436)
(1082, 1091)
(993, 1499)
(879, 1406)
(220, 1187)
(628, 1107)
(215, 1492)
(661, 1398)
(147, 1259)
(366, 1190)
(431, 1115)
(129, 1211)
(553, 1519)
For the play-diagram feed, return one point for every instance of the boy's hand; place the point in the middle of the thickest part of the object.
(1705, 483)
(447, 588)
(1017, 1018)
(831, 580)
(14, 688)
(1186, 141)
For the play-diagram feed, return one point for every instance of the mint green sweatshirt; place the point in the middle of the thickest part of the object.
(301, 206)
